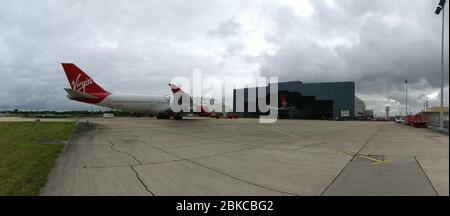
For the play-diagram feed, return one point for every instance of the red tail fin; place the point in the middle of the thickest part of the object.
(175, 89)
(283, 101)
(80, 81)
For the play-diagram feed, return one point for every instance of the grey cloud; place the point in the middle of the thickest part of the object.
(226, 29)
(235, 48)
(228, 33)
(134, 48)
(385, 43)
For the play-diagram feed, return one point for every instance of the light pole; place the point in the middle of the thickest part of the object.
(439, 8)
(406, 106)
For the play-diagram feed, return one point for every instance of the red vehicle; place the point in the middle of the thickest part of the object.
(419, 121)
(232, 116)
(409, 119)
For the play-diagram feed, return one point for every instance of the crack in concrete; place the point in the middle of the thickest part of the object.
(204, 166)
(129, 154)
(132, 168)
(220, 172)
(140, 180)
(199, 157)
(163, 162)
(222, 140)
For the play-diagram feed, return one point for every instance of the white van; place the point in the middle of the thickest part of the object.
(399, 120)
(108, 115)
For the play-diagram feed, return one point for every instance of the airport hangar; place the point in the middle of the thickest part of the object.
(331, 100)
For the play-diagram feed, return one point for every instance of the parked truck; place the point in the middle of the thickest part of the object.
(418, 121)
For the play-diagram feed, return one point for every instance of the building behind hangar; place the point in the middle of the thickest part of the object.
(305, 101)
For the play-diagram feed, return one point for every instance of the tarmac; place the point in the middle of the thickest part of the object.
(145, 156)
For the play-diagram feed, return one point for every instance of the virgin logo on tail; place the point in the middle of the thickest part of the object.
(283, 101)
(77, 85)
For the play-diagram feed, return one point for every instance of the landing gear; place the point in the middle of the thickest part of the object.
(162, 116)
(168, 116)
(135, 114)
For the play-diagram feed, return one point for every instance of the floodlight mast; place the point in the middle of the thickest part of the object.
(406, 96)
(440, 8)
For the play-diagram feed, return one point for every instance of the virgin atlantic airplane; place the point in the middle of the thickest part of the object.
(84, 89)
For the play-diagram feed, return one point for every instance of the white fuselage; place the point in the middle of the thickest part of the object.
(137, 103)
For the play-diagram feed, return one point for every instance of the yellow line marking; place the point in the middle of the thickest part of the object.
(375, 161)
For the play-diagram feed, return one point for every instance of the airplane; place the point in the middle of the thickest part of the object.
(206, 106)
(84, 89)
(284, 105)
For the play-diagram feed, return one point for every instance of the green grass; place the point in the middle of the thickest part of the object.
(25, 165)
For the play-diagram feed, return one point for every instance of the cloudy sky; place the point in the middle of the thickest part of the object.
(139, 46)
